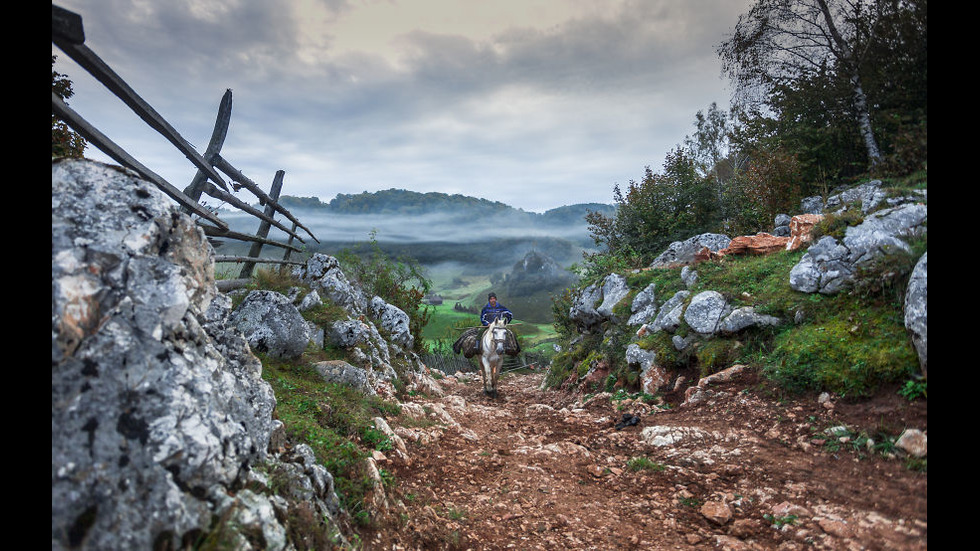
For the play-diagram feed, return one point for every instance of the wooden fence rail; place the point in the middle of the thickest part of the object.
(68, 34)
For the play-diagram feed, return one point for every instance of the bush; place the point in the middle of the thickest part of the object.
(660, 209)
(754, 197)
(399, 282)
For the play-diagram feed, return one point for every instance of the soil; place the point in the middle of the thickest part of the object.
(743, 469)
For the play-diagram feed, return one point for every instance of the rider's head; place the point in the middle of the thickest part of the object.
(492, 299)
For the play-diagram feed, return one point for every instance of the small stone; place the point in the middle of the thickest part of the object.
(717, 512)
(913, 442)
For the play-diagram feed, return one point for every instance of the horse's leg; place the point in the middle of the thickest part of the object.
(495, 373)
(484, 373)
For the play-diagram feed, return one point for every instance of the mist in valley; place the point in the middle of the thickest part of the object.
(465, 252)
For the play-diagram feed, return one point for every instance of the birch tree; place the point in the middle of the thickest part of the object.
(781, 41)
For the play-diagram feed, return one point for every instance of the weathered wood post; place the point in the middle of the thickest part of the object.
(214, 146)
(288, 252)
(270, 211)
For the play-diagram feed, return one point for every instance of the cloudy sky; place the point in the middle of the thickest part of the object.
(533, 103)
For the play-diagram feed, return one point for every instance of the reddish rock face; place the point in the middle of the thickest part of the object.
(800, 227)
(760, 243)
(799, 230)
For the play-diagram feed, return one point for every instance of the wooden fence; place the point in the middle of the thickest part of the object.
(68, 35)
(452, 364)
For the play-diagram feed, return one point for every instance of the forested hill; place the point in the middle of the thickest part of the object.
(400, 201)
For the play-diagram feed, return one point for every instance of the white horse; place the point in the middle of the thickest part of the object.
(497, 340)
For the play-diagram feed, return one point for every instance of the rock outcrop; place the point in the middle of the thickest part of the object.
(916, 303)
(683, 252)
(830, 265)
(161, 424)
(827, 267)
(272, 324)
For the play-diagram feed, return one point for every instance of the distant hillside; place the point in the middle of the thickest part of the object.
(400, 201)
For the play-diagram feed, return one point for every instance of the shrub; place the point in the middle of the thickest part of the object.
(399, 282)
(754, 197)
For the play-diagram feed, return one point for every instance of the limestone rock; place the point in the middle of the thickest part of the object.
(644, 306)
(913, 442)
(706, 311)
(915, 310)
(683, 252)
(761, 243)
(272, 324)
(800, 229)
(343, 373)
(323, 273)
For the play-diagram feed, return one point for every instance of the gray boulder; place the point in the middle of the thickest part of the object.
(343, 373)
(669, 317)
(743, 318)
(915, 309)
(869, 194)
(155, 405)
(781, 225)
(347, 333)
(614, 289)
(393, 320)
(594, 304)
(323, 274)
(272, 325)
(682, 252)
(705, 312)
(644, 306)
(829, 266)
(652, 377)
(309, 302)
(689, 276)
(824, 268)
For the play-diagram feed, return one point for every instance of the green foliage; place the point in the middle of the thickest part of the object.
(850, 353)
(835, 225)
(779, 522)
(400, 282)
(769, 186)
(913, 390)
(330, 418)
(799, 94)
(670, 206)
(65, 142)
(642, 463)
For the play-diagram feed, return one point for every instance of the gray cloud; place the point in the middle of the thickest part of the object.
(532, 117)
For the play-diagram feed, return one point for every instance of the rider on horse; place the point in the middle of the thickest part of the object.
(469, 342)
(494, 310)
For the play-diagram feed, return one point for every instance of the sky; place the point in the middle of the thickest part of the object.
(536, 104)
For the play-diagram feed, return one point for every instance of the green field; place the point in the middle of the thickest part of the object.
(446, 324)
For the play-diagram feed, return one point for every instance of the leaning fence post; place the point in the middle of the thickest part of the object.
(286, 255)
(214, 146)
(270, 211)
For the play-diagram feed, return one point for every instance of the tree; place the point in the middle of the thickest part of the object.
(779, 43)
(713, 148)
(670, 206)
(64, 141)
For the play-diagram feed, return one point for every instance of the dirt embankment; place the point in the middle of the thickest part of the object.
(538, 469)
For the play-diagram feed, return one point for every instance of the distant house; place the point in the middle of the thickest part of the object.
(434, 300)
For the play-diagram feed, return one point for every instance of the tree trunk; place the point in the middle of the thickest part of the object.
(849, 61)
(864, 122)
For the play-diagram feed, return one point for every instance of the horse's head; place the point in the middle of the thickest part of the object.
(496, 335)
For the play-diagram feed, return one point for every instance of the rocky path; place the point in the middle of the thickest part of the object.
(541, 469)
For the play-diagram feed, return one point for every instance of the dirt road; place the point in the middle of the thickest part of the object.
(538, 469)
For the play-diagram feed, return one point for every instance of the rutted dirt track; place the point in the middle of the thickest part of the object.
(538, 469)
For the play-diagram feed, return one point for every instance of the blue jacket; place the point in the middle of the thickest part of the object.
(490, 313)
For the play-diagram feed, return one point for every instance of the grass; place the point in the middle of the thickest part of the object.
(334, 420)
(851, 343)
(644, 464)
